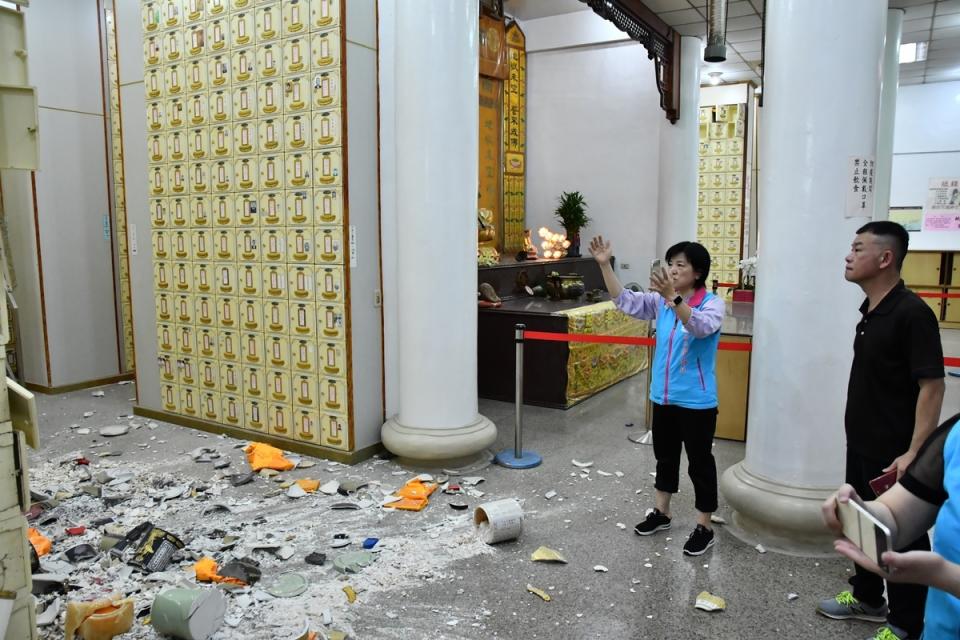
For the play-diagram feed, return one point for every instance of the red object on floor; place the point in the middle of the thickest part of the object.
(83, 461)
(76, 531)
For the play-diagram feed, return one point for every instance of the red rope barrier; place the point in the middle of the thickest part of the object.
(930, 294)
(548, 336)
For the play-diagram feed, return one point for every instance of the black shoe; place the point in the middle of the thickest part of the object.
(699, 541)
(655, 521)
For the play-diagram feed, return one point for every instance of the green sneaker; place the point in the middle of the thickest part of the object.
(845, 607)
(889, 632)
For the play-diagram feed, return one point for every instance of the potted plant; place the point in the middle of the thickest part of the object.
(748, 267)
(572, 214)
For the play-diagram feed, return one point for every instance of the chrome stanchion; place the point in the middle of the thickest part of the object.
(518, 458)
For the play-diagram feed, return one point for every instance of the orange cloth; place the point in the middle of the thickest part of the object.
(39, 541)
(206, 570)
(414, 496)
(309, 485)
(263, 456)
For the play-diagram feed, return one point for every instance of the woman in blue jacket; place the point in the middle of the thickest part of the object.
(683, 386)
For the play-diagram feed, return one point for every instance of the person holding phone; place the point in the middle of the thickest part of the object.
(928, 494)
(893, 404)
(683, 387)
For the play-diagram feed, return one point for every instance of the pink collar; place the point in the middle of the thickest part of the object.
(697, 298)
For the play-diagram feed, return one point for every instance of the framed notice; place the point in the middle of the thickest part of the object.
(910, 217)
(942, 212)
(860, 186)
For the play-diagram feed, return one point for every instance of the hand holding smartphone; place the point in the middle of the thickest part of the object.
(864, 530)
(883, 483)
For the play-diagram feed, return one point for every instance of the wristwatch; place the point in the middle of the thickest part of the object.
(677, 300)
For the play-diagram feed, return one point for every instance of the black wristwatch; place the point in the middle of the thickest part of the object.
(677, 301)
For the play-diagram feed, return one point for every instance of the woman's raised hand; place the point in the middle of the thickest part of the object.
(600, 250)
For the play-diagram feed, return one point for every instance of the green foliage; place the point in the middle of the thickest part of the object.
(572, 212)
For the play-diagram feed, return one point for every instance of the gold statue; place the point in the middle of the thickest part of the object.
(487, 254)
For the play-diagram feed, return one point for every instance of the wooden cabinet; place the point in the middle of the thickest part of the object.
(922, 268)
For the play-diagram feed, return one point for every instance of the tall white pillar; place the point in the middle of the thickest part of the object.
(888, 112)
(677, 199)
(805, 313)
(437, 117)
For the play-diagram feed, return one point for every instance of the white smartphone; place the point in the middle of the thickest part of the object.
(863, 529)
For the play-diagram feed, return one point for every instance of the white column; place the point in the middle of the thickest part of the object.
(805, 313)
(888, 111)
(437, 145)
(677, 198)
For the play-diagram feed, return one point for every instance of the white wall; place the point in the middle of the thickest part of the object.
(72, 200)
(926, 145)
(593, 125)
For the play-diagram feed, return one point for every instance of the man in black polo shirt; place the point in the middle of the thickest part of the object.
(893, 404)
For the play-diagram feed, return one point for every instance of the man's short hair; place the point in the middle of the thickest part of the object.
(894, 233)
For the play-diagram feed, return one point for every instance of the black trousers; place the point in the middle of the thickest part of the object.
(906, 601)
(675, 429)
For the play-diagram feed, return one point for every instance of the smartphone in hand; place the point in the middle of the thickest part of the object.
(656, 268)
(883, 483)
(863, 529)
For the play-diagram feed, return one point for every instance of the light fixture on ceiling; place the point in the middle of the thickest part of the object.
(913, 52)
(715, 77)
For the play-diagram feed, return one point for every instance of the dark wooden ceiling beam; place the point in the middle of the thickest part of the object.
(661, 41)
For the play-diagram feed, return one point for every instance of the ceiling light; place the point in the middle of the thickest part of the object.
(913, 52)
(715, 77)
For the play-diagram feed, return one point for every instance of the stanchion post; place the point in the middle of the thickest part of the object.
(517, 458)
(518, 394)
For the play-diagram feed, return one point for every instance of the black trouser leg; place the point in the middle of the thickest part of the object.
(667, 445)
(906, 601)
(699, 427)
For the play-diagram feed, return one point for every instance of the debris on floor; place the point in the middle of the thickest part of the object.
(546, 554)
(188, 614)
(543, 595)
(499, 521)
(709, 602)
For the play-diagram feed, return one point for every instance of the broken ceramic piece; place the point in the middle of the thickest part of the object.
(471, 481)
(459, 506)
(287, 585)
(49, 615)
(540, 593)
(317, 559)
(351, 594)
(600, 568)
(345, 505)
(709, 602)
(582, 465)
(97, 394)
(546, 554)
(329, 488)
(353, 561)
(348, 487)
(241, 479)
(550, 494)
(296, 491)
(114, 430)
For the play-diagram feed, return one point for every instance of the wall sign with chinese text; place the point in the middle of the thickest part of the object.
(860, 186)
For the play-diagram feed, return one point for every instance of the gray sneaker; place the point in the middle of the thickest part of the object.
(845, 607)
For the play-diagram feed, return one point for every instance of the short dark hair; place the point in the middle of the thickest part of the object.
(698, 257)
(894, 232)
